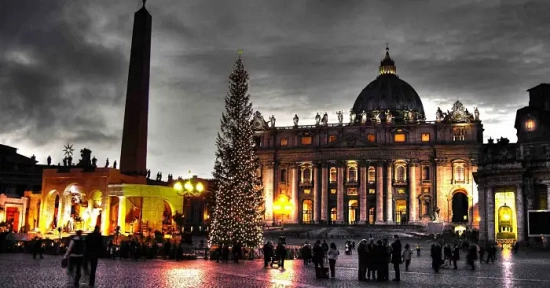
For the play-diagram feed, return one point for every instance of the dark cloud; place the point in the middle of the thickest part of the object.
(63, 65)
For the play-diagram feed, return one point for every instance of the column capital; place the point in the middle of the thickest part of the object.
(413, 162)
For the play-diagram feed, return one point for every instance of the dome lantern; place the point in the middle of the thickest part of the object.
(387, 66)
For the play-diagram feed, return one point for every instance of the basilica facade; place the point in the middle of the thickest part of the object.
(385, 164)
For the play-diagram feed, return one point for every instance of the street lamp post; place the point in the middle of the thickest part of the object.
(188, 188)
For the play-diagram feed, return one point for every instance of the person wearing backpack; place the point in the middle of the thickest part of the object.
(75, 255)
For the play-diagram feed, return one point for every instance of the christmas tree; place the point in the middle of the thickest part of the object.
(238, 198)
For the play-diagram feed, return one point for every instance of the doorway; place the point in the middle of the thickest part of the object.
(352, 211)
(401, 211)
(460, 207)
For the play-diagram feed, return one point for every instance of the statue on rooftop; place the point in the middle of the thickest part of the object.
(340, 115)
(107, 163)
(272, 121)
(49, 160)
(317, 119)
(114, 164)
(296, 119)
(324, 121)
(476, 114)
(438, 115)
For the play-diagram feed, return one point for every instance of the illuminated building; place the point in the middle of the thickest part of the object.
(513, 178)
(385, 164)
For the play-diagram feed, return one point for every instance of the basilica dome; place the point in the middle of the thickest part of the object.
(388, 94)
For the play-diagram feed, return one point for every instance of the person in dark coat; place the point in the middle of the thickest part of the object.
(380, 260)
(281, 254)
(318, 254)
(396, 257)
(371, 259)
(37, 248)
(225, 253)
(306, 253)
(363, 257)
(94, 248)
(472, 256)
(268, 253)
(236, 251)
(436, 257)
(456, 255)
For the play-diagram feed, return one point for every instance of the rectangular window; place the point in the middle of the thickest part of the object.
(307, 191)
(284, 141)
(352, 191)
(332, 191)
(371, 138)
(400, 137)
(306, 140)
(372, 191)
(331, 138)
(425, 137)
(400, 190)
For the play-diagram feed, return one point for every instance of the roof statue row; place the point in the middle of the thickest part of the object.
(458, 114)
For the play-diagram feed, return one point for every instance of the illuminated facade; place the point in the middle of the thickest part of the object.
(386, 164)
(81, 198)
(513, 178)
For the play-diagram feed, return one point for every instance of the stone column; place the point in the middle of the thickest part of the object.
(389, 196)
(490, 204)
(548, 196)
(482, 212)
(294, 193)
(324, 192)
(316, 196)
(340, 195)
(122, 213)
(520, 214)
(267, 179)
(362, 193)
(413, 207)
(105, 214)
(380, 193)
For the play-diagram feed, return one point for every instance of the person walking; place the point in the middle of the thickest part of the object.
(325, 250)
(417, 249)
(281, 254)
(332, 257)
(94, 248)
(436, 257)
(306, 253)
(75, 255)
(456, 255)
(362, 257)
(268, 253)
(396, 257)
(472, 256)
(407, 255)
(318, 255)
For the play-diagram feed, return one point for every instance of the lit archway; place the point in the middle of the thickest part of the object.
(52, 211)
(352, 211)
(460, 207)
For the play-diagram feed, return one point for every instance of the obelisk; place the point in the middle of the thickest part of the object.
(133, 156)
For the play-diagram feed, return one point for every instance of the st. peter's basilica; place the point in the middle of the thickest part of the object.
(385, 163)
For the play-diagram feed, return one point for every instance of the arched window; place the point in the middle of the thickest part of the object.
(283, 176)
(371, 175)
(333, 174)
(307, 211)
(425, 173)
(400, 174)
(352, 174)
(306, 175)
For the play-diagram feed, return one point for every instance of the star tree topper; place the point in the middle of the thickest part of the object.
(68, 150)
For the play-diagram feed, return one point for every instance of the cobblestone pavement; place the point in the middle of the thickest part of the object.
(527, 269)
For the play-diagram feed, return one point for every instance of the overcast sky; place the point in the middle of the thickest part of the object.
(64, 66)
